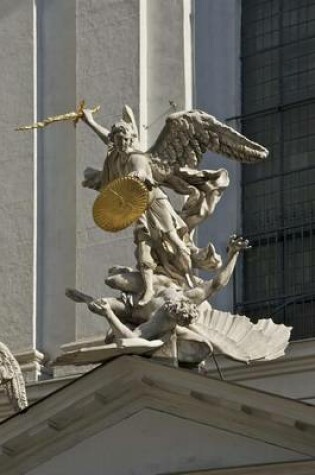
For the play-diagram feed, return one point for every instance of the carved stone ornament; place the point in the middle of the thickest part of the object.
(164, 308)
(11, 379)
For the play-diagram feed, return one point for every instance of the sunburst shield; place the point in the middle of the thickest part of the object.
(120, 203)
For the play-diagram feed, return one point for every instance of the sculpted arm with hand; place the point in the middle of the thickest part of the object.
(209, 288)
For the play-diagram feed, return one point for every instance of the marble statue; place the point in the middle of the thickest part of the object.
(163, 307)
(11, 379)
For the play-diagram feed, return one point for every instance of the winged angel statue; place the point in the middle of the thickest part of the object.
(164, 307)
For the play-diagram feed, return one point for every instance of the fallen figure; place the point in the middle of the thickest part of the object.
(178, 323)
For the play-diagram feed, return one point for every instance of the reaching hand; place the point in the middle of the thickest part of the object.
(237, 244)
(99, 305)
(141, 175)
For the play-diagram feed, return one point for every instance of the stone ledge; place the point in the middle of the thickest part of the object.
(32, 364)
(287, 468)
(300, 357)
(36, 390)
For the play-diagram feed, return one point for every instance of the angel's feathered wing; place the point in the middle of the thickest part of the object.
(188, 134)
(12, 379)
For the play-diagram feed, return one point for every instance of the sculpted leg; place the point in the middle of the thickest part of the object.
(182, 257)
(147, 275)
(146, 266)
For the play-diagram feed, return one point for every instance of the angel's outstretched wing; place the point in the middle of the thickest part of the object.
(188, 134)
(12, 379)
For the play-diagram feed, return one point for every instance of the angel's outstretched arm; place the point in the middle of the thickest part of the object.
(209, 288)
(100, 131)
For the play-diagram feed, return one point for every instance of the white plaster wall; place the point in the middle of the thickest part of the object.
(165, 68)
(165, 63)
(107, 70)
(152, 442)
(217, 91)
(16, 209)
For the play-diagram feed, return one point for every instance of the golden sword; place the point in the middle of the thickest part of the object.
(75, 116)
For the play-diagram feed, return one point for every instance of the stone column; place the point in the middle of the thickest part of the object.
(168, 67)
(56, 69)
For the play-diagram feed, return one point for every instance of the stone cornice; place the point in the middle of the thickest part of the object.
(288, 468)
(32, 363)
(237, 372)
(127, 385)
(299, 358)
(31, 355)
(36, 390)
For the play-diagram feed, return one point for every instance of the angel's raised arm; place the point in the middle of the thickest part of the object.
(100, 131)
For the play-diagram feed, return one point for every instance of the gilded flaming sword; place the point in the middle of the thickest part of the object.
(74, 116)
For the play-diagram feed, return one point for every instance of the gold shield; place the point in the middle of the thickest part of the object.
(120, 203)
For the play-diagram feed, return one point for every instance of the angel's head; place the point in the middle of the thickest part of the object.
(122, 136)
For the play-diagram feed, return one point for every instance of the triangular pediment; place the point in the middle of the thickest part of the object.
(130, 395)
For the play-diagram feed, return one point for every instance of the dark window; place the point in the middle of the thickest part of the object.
(278, 110)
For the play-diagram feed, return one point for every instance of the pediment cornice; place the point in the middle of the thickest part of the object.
(127, 385)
